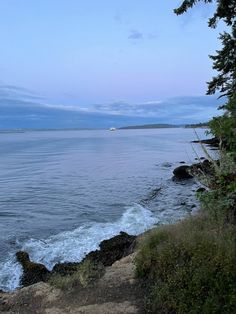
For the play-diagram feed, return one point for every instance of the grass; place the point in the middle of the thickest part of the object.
(189, 267)
(86, 273)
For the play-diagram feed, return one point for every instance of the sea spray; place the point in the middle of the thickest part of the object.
(72, 246)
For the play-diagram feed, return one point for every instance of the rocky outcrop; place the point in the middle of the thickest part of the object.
(214, 142)
(182, 173)
(117, 292)
(110, 251)
(201, 190)
(113, 249)
(32, 272)
(206, 167)
(187, 172)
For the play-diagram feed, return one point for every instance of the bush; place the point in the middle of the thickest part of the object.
(86, 272)
(220, 200)
(224, 127)
(189, 267)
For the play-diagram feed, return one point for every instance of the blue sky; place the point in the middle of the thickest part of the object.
(92, 54)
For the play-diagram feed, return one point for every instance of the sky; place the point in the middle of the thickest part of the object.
(105, 56)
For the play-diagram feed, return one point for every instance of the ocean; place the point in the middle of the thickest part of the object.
(63, 192)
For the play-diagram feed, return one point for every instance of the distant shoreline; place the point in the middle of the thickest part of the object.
(132, 127)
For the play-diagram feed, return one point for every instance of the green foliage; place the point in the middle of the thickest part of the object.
(190, 267)
(224, 127)
(86, 272)
(220, 200)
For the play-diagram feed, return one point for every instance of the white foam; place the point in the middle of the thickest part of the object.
(10, 273)
(72, 246)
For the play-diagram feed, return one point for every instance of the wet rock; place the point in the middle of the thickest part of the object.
(110, 251)
(200, 190)
(32, 272)
(182, 173)
(151, 196)
(166, 164)
(65, 269)
(113, 249)
(202, 167)
(214, 142)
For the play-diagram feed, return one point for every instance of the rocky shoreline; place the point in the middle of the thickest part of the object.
(110, 252)
(115, 289)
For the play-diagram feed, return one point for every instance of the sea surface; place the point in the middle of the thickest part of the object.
(62, 192)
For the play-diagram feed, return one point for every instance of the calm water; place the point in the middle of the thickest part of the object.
(62, 192)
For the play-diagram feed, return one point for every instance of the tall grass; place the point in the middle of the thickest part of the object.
(85, 273)
(189, 267)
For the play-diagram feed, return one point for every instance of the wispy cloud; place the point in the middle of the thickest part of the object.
(16, 92)
(135, 35)
(152, 36)
(179, 108)
(188, 109)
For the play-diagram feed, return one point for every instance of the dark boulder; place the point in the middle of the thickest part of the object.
(65, 269)
(32, 272)
(110, 251)
(200, 190)
(205, 166)
(214, 142)
(182, 173)
(113, 249)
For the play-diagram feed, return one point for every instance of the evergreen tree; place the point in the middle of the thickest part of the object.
(225, 59)
(225, 63)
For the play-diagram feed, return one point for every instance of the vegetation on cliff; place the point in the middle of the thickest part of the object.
(190, 267)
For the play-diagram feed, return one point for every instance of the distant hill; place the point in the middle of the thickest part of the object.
(197, 125)
(150, 126)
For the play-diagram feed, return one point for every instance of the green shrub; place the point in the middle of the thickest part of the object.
(220, 200)
(224, 127)
(86, 272)
(189, 267)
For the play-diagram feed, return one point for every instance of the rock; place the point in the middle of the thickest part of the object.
(32, 272)
(113, 249)
(166, 164)
(200, 190)
(182, 173)
(110, 251)
(182, 162)
(205, 166)
(65, 269)
(214, 142)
